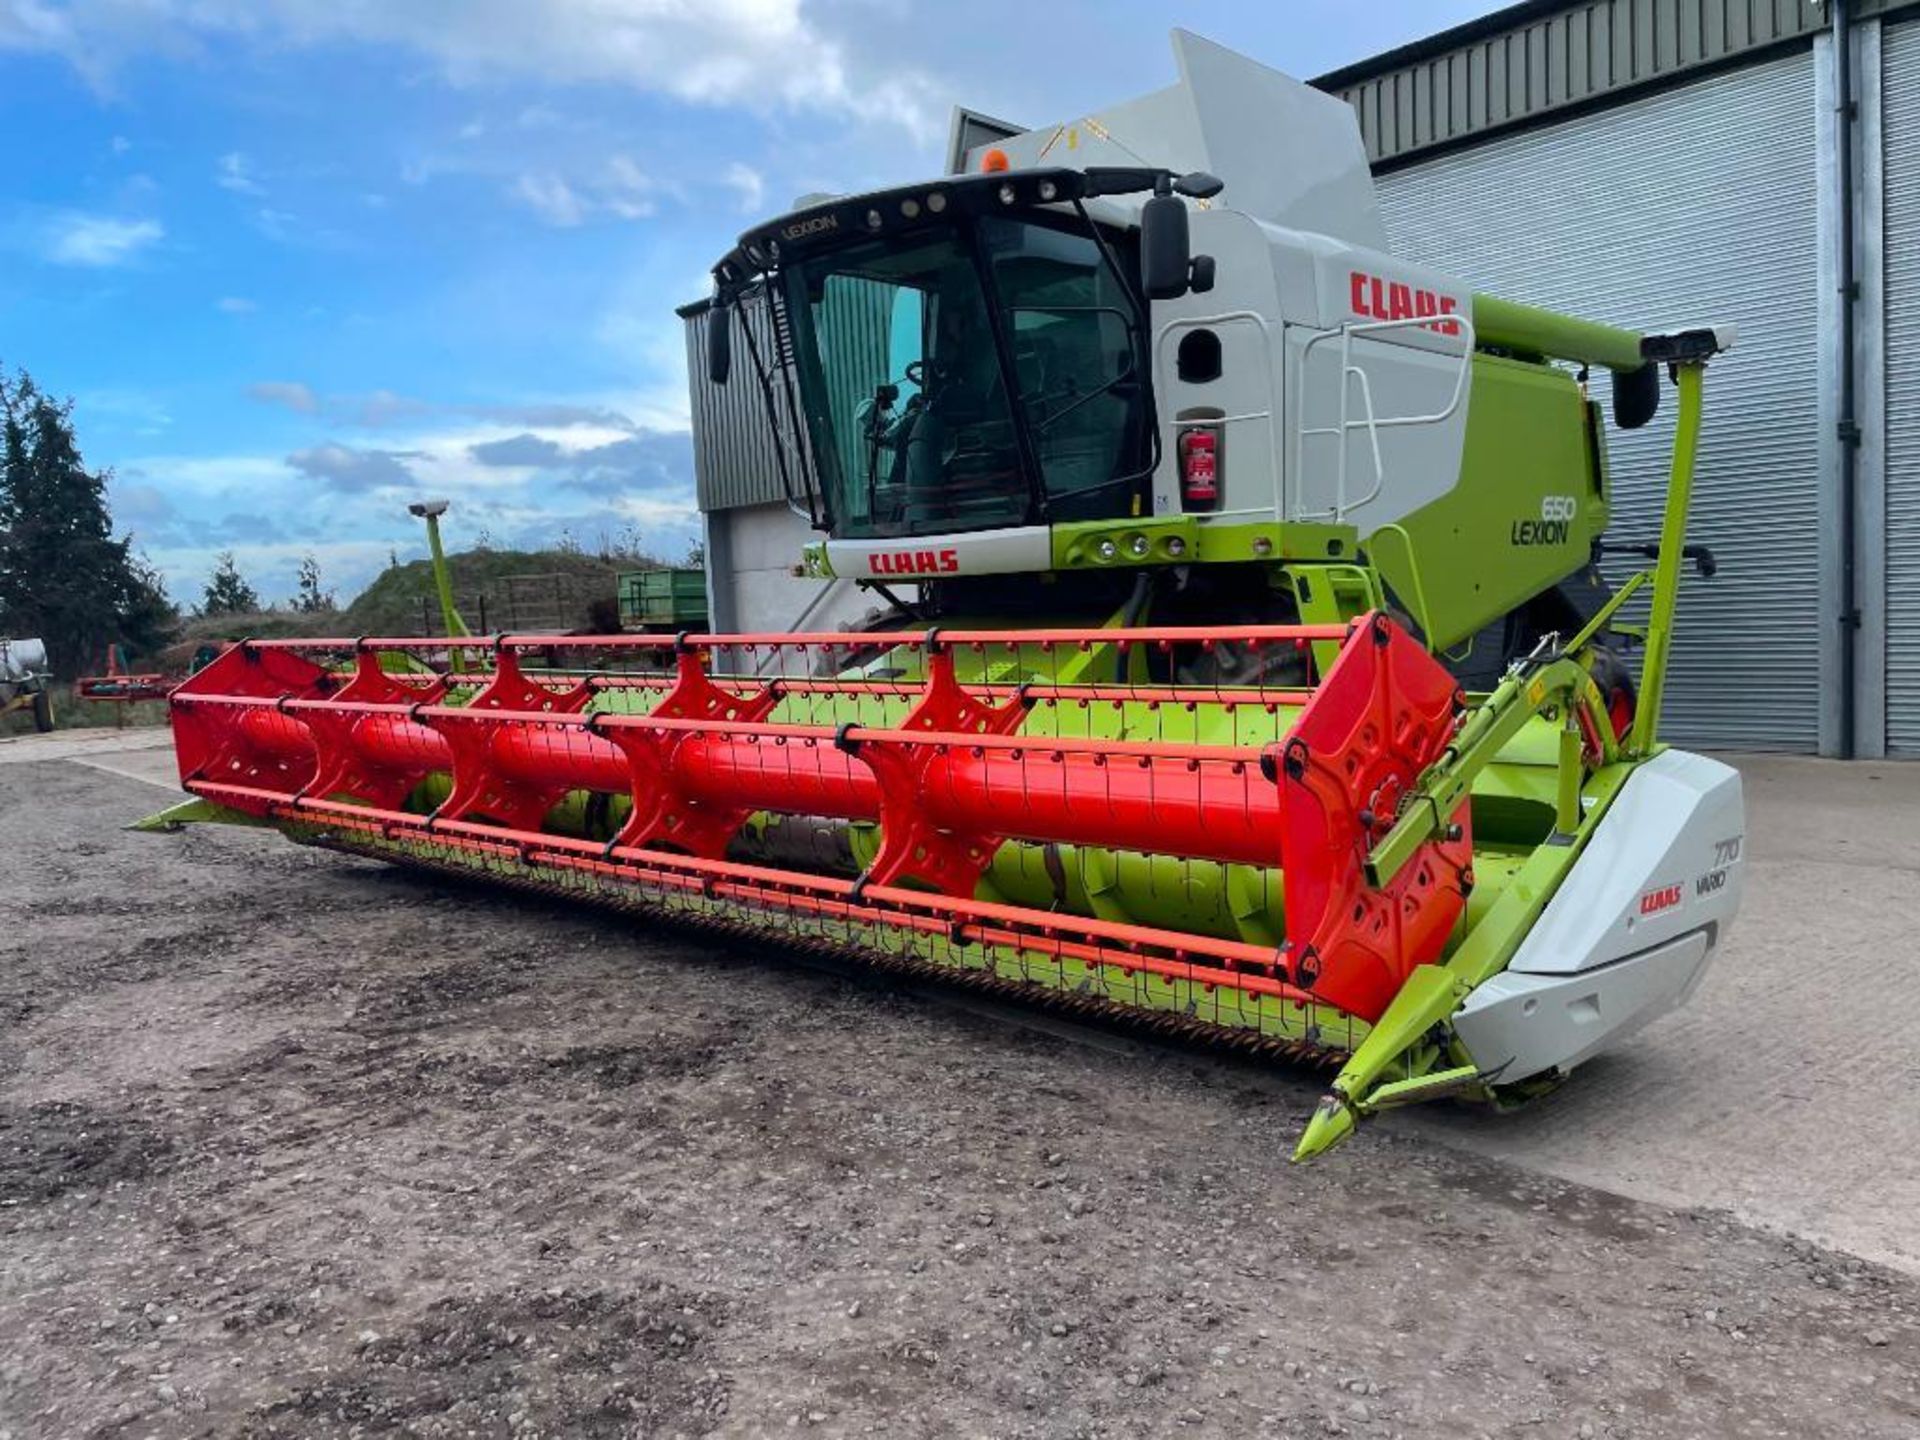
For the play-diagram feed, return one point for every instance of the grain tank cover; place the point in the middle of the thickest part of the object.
(1288, 153)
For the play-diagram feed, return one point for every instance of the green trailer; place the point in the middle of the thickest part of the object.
(663, 599)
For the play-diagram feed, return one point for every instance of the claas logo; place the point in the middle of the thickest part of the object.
(1379, 299)
(1654, 901)
(913, 562)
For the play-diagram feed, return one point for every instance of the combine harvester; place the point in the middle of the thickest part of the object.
(1205, 498)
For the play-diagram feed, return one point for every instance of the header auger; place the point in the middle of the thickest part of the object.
(1256, 682)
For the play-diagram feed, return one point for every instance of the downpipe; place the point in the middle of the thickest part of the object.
(1848, 422)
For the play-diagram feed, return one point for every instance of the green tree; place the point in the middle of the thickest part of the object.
(228, 592)
(148, 616)
(309, 598)
(63, 575)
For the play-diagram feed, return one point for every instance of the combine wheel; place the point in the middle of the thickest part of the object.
(42, 711)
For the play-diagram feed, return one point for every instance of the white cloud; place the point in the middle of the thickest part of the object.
(347, 468)
(274, 224)
(621, 190)
(141, 411)
(290, 393)
(235, 305)
(524, 473)
(552, 199)
(30, 26)
(628, 192)
(365, 410)
(97, 241)
(762, 54)
(749, 183)
(120, 145)
(381, 407)
(190, 477)
(235, 172)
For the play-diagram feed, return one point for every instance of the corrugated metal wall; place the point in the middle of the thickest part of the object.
(734, 455)
(733, 446)
(1697, 203)
(1567, 55)
(1901, 119)
(853, 324)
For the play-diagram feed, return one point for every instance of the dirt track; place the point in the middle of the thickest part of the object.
(296, 1145)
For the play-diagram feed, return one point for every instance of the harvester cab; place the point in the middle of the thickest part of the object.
(1167, 350)
(1197, 485)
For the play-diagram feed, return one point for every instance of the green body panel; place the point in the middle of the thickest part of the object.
(1529, 502)
(1529, 330)
(1330, 595)
(195, 812)
(1429, 995)
(1196, 539)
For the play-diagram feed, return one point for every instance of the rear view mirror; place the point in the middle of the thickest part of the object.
(1165, 259)
(1119, 179)
(719, 342)
(1636, 396)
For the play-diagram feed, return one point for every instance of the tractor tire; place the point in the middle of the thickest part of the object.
(1617, 687)
(43, 711)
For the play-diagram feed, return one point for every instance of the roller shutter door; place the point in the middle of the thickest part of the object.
(1696, 204)
(1900, 51)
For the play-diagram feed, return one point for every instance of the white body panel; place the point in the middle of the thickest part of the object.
(1300, 252)
(1024, 548)
(1679, 823)
(1518, 1026)
(1630, 931)
(1281, 302)
(1223, 117)
(750, 580)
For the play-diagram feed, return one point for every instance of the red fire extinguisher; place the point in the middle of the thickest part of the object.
(1199, 469)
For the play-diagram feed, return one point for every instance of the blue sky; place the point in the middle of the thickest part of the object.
(299, 261)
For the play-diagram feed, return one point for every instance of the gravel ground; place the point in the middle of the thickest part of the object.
(297, 1145)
